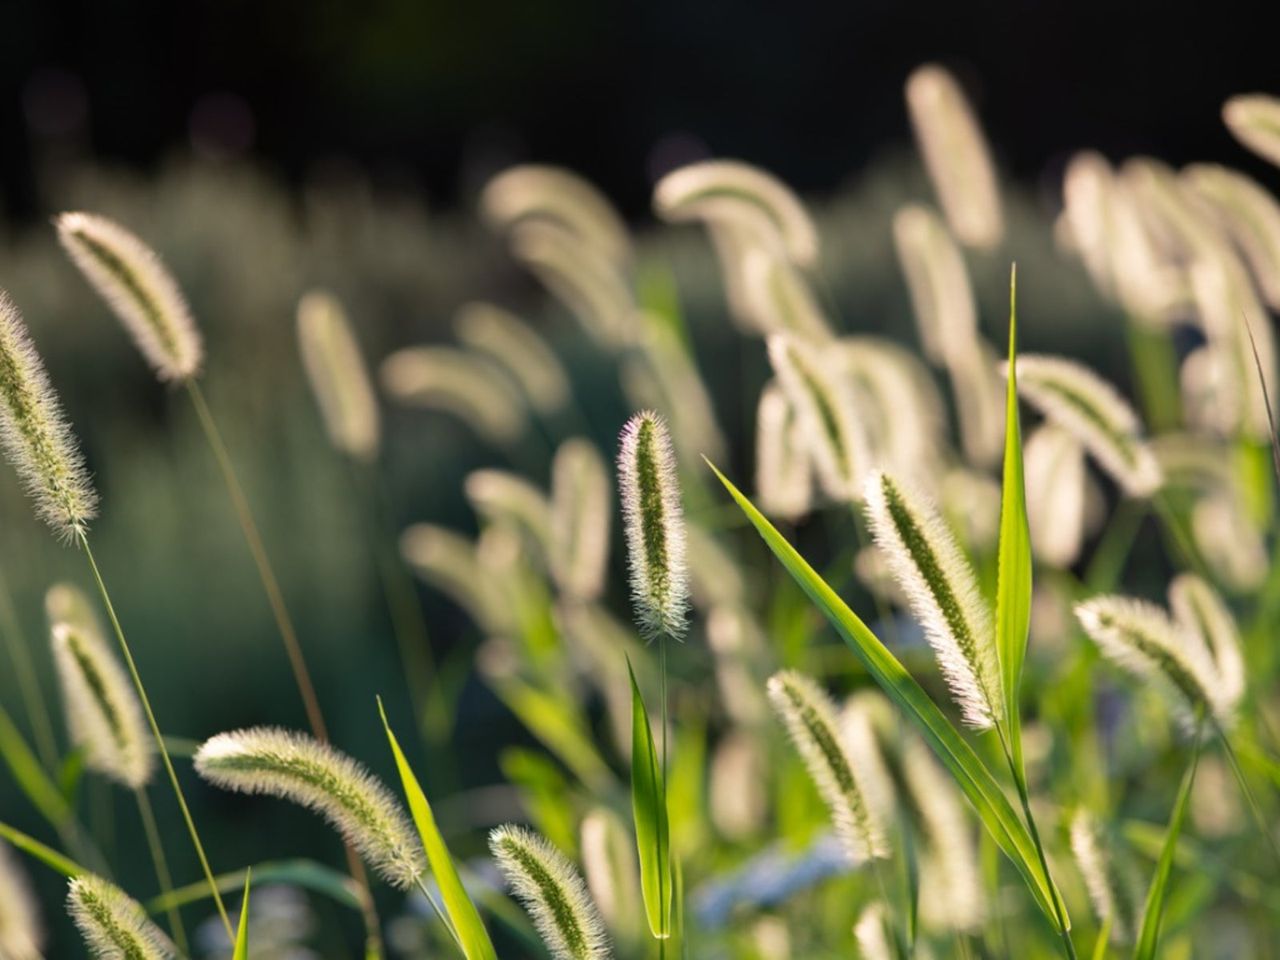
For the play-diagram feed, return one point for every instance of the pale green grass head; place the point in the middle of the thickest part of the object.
(21, 933)
(114, 926)
(338, 376)
(581, 517)
(1254, 120)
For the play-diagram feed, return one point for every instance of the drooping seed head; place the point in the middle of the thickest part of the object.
(103, 714)
(810, 718)
(1248, 214)
(580, 519)
(1056, 501)
(609, 866)
(979, 398)
(293, 766)
(654, 523)
(956, 156)
(778, 297)
(677, 197)
(448, 561)
(784, 475)
(456, 382)
(21, 935)
(869, 933)
(1140, 638)
(931, 569)
(67, 603)
(551, 890)
(518, 349)
(1229, 541)
(507, 498)
(938, 282)
(35, 435)
(339, 378)
(1200, 610)
(1086, 406)
(737, 792)
(826, 412)
(1111, 893)
(139, 289)
(113, 925)
(1254, 120)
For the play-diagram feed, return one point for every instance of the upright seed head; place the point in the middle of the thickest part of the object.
(339, 378)
(103, 713)
(139, 289)
(1201, 612)
(1085, 405)
(784, 476)
(1140, 638)
(810, 719)
(1056, 501)
(654, 523)
(956, 156)
(1110, 893)
(21, 936)
(869, 933)
(35, 436)
(609, 864)
(553, 893)
(938, 579)
(1254, 120)
(114, 926)
(580, 519)
(296, 767)
(519, 350)
(938, 282)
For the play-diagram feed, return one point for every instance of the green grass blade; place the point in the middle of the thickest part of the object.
(242, 934)
(969, 772)
(306, 874)
(30, 776)
(51, 858)
(1013, 584)
(649, 808)
(1153, 911)
(464, 916)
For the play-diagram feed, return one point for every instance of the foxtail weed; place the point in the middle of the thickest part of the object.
(609, 867)
(138, 287)
(21, 934)
(737, 798)
(675, 387)
(113, 925)
(508, 498)
(810, 719)
(338, 376)
(1086, 406)
(1248, 213)
(653, 520)
(580, 519)
(975, 382)
(1056, 495)
(1200, 610)
(938, 282)
(552, 891)
(1230, 543)
(456, 382)
(1111, 893)
(784, 475)
(296, 767)
(36, 437)
(1254, 120)
(779, 298)
(870, 935)
(956, 156)
(932, 570)
(519, 350)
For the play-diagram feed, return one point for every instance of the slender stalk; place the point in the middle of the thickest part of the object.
(28, 685)
(1255, 811)
(162, 867)
(155, 732)
(666, 905)
(440, 914)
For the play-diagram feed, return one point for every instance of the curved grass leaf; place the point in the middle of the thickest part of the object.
(649, 808)
(969, 772)
(51, 858)
(464, 916)
(307, 874)
(1153, 911)
(242, 934)
(30, 776)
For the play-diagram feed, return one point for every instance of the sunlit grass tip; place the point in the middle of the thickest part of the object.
(869, 933)
(21, 933)
(580, 519)
(113, 925)
(139, 289)
(35, 435)
(1091, 409)
(653, 520)
(104, 716)
(1254, 120)
(933, 571)
(938, 283)
(1056, 495)
(518, 349)
(552, 891)
(1200, 610)
(296, 767)
(339, 378)
(784, 477)
(457, 382)
(810, 719)
(1109, 892)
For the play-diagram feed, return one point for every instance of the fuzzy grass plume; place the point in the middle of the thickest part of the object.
(1086, 406)
(296, 767)
(35, 435)
(1254, 120)
(653, 520)
(139, 289)
(21, 935)
(610, 869)
(580, 519)
(869, 933)
(519, 350)
(1200, 610)
(1110, 893)
(779, 298)
(508, 498)
(784, 476)
(1056, 495)
(103, 713)
(810, 718)
(114, 926)
(943, 589)
(1248, 214)
(450, 563)
(551, 890)
(456, 382)
(938, 283)
(338, 376)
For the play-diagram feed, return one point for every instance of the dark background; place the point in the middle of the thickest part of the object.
(442, 93)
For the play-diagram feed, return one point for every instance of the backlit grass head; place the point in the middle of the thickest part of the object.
(519, 350)
(784, 476)
(21, 935)
(113, 925)
(296, 767)
(35, 435)
(580, 519)
(139, 289)
(932, 570)
(938, 282)
(1254, 120)
(553, 893)
(653, 519)
(338, 376)
(1200, 610)
(1110, 893)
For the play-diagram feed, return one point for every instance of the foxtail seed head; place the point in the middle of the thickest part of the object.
(784, 476)
(36, 437)
(937, 578)
(869, 933)
(296, 767)
(810, 718)
(938, 282)
(507, 498)
(338, 376)
(114, 926)
(456, 382)
(1109, 893)
(580, 519)
(654, 522)
(103, 713)
(20, 933)
(1254, 120)
(1248, 213)
(518, 349)
(1200, 610)
(609, 865)
(553, 893)
(1056, 495)
(139, 289)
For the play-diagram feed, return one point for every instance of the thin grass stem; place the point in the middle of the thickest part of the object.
(161, 864)
(29, 687)
(1251, 801)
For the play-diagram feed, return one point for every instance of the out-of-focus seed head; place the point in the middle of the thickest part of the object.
(114, 926)
(339, 378)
